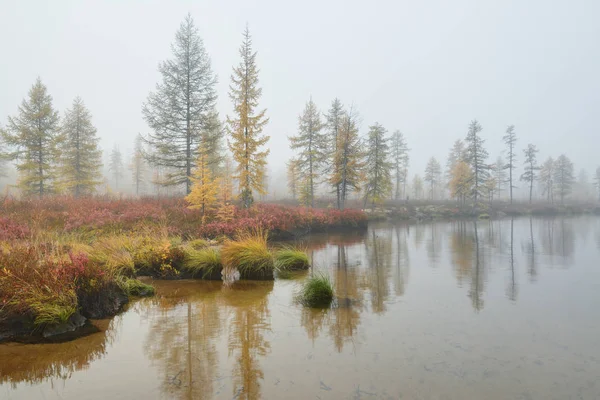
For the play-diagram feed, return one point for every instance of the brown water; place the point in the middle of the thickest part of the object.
(493, 310)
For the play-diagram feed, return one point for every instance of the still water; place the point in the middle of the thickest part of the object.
(503, 309)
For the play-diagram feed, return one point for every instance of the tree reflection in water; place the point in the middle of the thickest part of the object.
(379, 254)
(249, 321)
(186, 329)
(401, 268)
(36, 363)
(184, 325)
(468, 259)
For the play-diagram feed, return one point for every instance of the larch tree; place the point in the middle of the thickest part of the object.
(348, 159)
(333, 124)
(490, 188)
(378, 166)
(583, 184)
(311, 146)
(564, 177)
(531, 168)
(179, 110)
(597, 181)
(433, 175)
(246, 126)
(417, 186)
(80, 157)
(292, 177)
(205, 188)
(227, 181)
(304, 192)
(33, 139)
(212, 140)
(457, 153)
(138, 165)
(461, 182)
(400, 160)
(499, 172)
(115, 165)
(547, 178)
(476, 157)
(510, 139)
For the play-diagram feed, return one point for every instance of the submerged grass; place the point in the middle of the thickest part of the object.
(250, 255)
(317, 291)
(205, 262)
(291, 259)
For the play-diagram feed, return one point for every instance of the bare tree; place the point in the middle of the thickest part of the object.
(510, 139)
(563, 177)
(530, 168)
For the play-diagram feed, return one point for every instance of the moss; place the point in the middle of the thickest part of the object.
(317, 291)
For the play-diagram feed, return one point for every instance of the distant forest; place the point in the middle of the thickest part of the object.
(190, 150)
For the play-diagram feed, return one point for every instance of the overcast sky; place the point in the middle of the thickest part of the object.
(425, 67)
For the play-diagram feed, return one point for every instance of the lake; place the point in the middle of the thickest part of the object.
(505, 309)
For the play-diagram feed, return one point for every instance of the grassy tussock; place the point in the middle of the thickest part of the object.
(249, 254)
(204, 263)
(291, 259)
(317, 291)
(198, 244)
(136, 288)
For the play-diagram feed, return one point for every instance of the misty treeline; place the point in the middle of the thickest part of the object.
(185, 151)
(190, 150)
(330, 154)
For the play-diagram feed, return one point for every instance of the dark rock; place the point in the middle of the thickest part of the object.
(103, 302)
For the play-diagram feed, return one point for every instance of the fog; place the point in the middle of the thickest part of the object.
(427, 68)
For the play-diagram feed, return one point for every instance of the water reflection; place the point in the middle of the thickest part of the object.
(248, 324)
(184, 325)
(204, 340)
(402, 259)
(36, 363)
(379, 258)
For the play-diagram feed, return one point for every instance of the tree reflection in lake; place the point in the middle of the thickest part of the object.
(511, 290)
(462, 248)
(530, 250)
(401, 267)
(184, 326)
(249, 322)
(36, 363)
(379, 252)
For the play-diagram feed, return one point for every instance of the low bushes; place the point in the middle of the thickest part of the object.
(316, 291)
(98, 216)
(43, 285)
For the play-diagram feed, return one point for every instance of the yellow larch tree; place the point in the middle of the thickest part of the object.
(245, 127)
(461, 181)
(204, 186)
